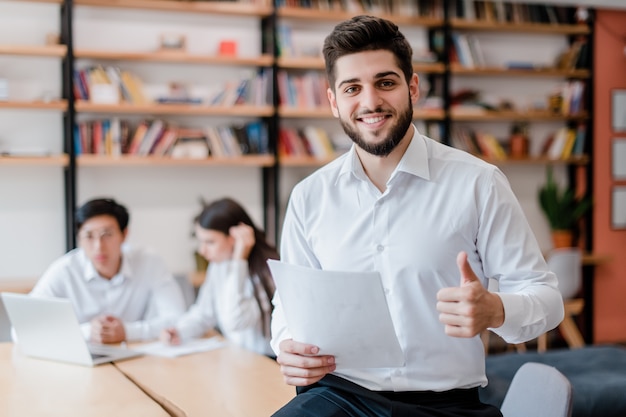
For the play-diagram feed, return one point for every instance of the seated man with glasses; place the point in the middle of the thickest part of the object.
(119, 294)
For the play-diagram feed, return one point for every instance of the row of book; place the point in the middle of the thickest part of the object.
(512, 12)
(114, 137)
(307, 141)
(423, 8)
(467, 52)
(564, 143)
(110, 84)
(307, 90)
(477, 142)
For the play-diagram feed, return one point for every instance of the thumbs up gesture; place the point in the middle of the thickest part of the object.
(468, 309)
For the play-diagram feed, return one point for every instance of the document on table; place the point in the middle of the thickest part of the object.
(188, 347)
(345, 314)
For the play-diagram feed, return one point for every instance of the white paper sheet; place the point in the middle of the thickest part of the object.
(345, 314)
(190, 346)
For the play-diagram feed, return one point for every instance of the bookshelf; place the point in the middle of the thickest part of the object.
(521, 60)
(128, 36)
(33, 159)
(164, 191)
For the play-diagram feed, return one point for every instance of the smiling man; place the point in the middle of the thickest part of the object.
(435, 222)
(118, 293)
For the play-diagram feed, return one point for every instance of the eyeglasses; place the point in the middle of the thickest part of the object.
(91, 236)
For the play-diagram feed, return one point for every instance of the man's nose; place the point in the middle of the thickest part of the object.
(371, 98)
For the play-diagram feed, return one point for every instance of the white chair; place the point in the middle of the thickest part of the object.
(538, 390)
(566, 263)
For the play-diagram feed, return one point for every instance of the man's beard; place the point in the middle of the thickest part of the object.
(396, 133)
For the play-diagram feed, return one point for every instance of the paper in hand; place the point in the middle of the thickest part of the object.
(345, 314)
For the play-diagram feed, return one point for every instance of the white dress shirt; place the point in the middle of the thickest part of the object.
(143, 294)
(226, 301)
(439, 201)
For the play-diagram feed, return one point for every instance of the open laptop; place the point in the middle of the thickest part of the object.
(5, 324)
(47, 328)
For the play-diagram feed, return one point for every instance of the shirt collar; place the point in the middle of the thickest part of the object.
(414, 161)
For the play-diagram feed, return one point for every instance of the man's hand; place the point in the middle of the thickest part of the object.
(300, 366)
(107, 329)
(469, 309)
(170, 336)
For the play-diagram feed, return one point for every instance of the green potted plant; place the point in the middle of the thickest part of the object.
(562, 208)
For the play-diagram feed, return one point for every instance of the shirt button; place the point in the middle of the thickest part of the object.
(397, 372)
(386, 291)
(380, 248)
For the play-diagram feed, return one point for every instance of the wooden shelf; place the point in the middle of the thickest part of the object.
(19, 285)
(313, 62)
(539, 72)
(472, 116)
(34, 50)
(180, 109)
(297, 112)
(209, 7)
(301, 62)
(578, 160)
(304, 161)
(429, 67)
(325, 112)
(35, 105)
(339, 15)
(53, 160)
(39, 1)
(133, 160)
(265, 60)
(428, 114)
(574, 29)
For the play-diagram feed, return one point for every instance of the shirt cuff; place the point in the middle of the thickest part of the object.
(514, 315)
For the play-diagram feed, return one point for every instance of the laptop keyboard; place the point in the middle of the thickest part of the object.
(97, 356)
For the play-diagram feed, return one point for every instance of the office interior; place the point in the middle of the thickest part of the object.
(163, 200)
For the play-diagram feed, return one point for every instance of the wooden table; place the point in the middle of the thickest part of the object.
(226, 382)
(34, 387)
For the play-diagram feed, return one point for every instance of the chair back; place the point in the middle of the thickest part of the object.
(538, 390)
(566, 263)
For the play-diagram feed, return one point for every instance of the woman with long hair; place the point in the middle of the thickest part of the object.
(235, 298)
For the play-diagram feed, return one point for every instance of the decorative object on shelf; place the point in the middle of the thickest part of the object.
(53, 38)
(227, 48)
(518, 141)
(562, 209)
(173, 42)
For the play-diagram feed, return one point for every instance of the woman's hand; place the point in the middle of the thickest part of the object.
(243, 235)
(170, 336)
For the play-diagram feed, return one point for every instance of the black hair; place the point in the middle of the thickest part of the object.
(99, 207)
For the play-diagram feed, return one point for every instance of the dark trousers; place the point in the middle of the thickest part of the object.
(336, 397)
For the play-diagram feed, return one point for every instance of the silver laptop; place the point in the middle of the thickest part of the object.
(5, 324)
(47, 328)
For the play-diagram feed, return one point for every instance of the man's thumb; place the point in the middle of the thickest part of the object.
(467, 274)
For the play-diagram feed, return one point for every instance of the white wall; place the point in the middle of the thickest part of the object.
(32, 219)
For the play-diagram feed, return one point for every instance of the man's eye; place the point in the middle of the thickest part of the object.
(351, 90)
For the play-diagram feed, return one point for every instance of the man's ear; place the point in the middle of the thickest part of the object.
(414, 90)
(333, 102)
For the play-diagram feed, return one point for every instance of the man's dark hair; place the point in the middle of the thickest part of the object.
(99, 207)
(366, 33)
